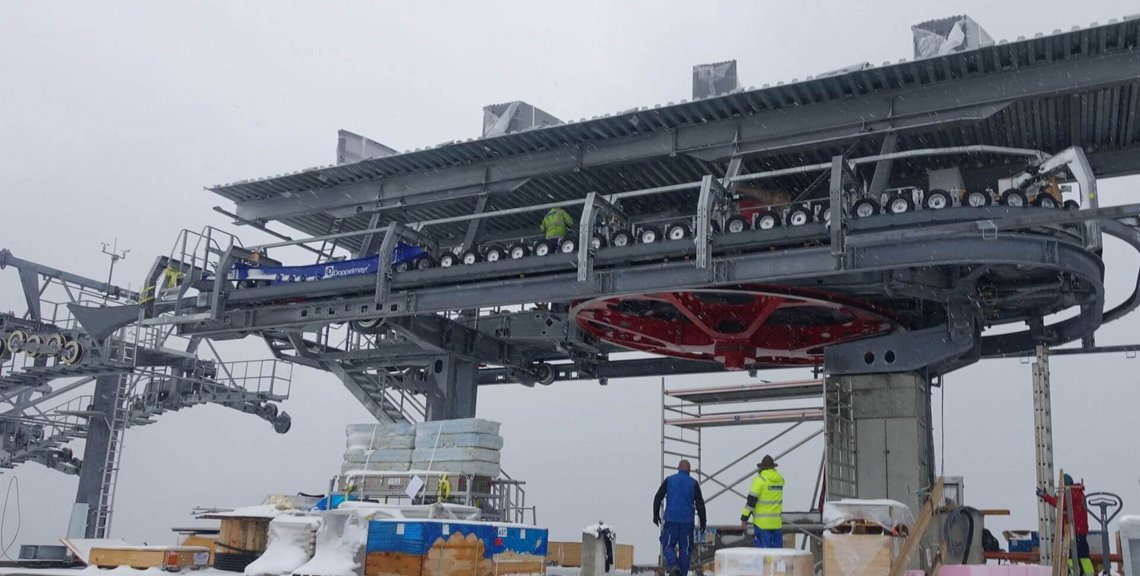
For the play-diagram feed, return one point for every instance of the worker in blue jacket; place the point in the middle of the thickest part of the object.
(682, 496)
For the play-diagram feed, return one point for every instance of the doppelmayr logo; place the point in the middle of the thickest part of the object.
(333, 271)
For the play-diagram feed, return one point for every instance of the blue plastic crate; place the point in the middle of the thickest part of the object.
(1028, 543)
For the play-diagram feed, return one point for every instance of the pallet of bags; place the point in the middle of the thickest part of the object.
(467, 446)
(379, 447)
(401, 436)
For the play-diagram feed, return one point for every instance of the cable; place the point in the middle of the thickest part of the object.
(5, 545)
(956, 546)
(942, 407)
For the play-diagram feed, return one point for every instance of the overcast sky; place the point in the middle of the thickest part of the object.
(114, 115)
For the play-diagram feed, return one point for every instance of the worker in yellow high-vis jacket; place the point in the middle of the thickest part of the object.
(556, 224)
(765, 506)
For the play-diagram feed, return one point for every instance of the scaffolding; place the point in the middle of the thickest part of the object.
(686, 412)
(841, 480)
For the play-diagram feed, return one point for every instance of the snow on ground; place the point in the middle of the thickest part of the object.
(290, 545)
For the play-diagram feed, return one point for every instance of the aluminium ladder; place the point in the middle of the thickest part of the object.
(1043, 436)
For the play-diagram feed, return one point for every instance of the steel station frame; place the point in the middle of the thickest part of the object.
(417, 344)
(987, 110)
(115, 380)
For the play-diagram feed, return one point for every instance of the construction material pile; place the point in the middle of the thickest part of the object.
(863, 537)
(379, 447)
(469, 446)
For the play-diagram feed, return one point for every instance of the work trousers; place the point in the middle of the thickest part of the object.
(768, 538)
(677, 545)
(1083, 555)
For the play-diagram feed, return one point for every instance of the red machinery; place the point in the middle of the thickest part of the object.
(735, 326)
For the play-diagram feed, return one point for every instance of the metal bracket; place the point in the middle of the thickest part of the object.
(594, 206)
(384, 262)
(953, 344)
(221, 283)
(988, 228)
(838, 248)
(711, 191)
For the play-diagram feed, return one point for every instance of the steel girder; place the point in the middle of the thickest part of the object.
(966, 99)
(814, 263)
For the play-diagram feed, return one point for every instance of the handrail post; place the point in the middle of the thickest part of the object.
(837, 210)
(384, 261)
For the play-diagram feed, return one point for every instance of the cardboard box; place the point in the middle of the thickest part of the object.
(858, 554)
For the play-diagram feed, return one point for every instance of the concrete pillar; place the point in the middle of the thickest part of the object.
(893, 433)
(595, 541)
(893, 436)
(95, 451)
(456, 389)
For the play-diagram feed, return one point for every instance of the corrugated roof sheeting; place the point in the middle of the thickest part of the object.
(1105, 118)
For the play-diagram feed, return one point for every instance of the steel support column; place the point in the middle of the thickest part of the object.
(456, 389)
(95, 450)
(892, 434)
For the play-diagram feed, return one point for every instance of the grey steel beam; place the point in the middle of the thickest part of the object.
(838, 210)
(370, 238)
(95, 450)
(972, 98)
(30, 282)
(883, 167)
(457, 389)
(7, 259)
(433, 332)
(612, 369)
(712, 194)
(473, 226)
(384, 265)
(728, 181)
(259, 226)
(354, 387)
(927, 349)
(788, 265)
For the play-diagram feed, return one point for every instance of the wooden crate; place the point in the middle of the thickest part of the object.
(568, 554)
(457, 556)
(857, 554)
(243, 535)
(623, 557)
(208, 542)
(142, 557)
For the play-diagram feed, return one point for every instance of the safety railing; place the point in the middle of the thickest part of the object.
(270, 379)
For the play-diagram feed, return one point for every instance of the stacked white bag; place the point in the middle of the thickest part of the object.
(379, 447)
(468, 446)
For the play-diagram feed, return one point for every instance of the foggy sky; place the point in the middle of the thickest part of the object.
(114, 115)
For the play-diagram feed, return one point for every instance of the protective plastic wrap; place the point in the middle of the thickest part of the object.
(858, 554)
(402, 466)
(461, 426)
(364, 441)
(364, 455)
(886, 513)
(340, 545)
(428, 440)
(291, 545)
(455, 455)
(381, 428)
(399, 435)
(763, 562)
(472, 467)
